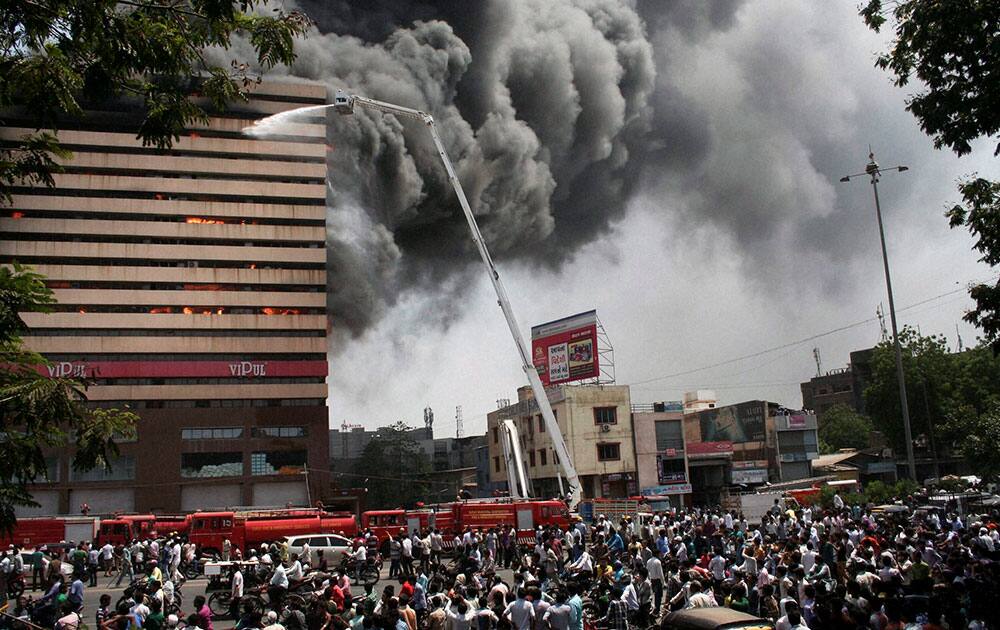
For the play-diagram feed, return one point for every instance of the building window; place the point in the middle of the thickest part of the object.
(541, 424)
(668, 435)
(496, 435)
(531, 458)
(527, 425)
(280, 432)
(210, 465)
(543, 456)
(608, 452)
(122, 469)
(605, 415)
(215, 433)
(496, 464)
(277, 462)
(672, 471)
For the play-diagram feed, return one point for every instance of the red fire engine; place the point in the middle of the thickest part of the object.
(453, 518)
(248, 529)
(127, 527)
(31, 532)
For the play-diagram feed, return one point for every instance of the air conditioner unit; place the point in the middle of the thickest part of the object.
(605, 428)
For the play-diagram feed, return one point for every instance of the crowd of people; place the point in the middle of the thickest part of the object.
(153, 570)
(843, 567)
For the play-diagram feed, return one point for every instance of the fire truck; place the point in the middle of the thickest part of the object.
(251, 528)
(453, 518)
(124, 528)
(32, 532)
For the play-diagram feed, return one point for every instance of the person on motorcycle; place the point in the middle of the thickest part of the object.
(582, 567)
(295, 572)
(278, 586)
(357, 559)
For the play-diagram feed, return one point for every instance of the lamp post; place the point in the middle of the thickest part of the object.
(873, 170)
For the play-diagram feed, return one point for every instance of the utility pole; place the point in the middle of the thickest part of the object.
(873, 170)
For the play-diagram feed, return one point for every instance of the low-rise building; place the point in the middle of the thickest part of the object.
(596, 424)
(660, 451)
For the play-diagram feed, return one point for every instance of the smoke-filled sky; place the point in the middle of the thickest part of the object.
(673, 164)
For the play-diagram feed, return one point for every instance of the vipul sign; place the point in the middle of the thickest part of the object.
(65, 369)
(248, 369)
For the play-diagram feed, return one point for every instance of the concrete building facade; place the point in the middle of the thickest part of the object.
(191, 288)
(661, 451)
(596, 423)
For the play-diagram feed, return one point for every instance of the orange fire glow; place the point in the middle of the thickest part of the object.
(195, 135)
(17, 215)
(204, 220)
(188, 310)
(83, 311)
(156, 310)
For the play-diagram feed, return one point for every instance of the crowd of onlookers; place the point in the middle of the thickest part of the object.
(843, 567)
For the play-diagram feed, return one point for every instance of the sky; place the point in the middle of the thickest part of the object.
(673, 165)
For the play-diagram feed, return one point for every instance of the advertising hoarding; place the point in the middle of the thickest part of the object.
(667, 490)
(734, 423)
(565, 350)
(710, 449)
(749, 475)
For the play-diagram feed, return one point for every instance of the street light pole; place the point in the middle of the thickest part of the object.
(872, 169)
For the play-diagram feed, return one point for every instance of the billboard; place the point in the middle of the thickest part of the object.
(565, 350)
(666, 490)
(710, 449)
(734, 423)
(747, 476)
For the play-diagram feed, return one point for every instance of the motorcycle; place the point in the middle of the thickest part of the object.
(15, 587)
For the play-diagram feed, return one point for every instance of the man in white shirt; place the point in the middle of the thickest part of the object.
(359, 558)
(717, 565)
(107, 554)
(406, 556)
(630, 596)
(520, 612)
(698, 599)
(278, 586)
(236, 588)
(809, 557)
(294, 572)
(655, 568)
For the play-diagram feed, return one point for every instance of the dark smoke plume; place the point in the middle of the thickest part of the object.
(543, 105)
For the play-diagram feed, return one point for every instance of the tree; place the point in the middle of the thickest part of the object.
(976, 436)
(842, 427)
(37, 412)
(953, 49)
(948, 393)
(57, 54)
(395, 468)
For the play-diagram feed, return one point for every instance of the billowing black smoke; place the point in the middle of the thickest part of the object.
(543, 105)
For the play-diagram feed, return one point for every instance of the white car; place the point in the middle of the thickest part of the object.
(333, 546)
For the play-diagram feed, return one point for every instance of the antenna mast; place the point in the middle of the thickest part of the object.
(819, 364)
(459, 428)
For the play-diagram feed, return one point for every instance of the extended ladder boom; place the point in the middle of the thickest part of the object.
(344, 103)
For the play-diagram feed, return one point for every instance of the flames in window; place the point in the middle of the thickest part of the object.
(280, 311)
(16, 215)
(204, 220)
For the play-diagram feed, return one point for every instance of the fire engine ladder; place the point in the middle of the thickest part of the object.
(517, 476)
